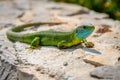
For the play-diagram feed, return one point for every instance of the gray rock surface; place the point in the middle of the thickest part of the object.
(7, 71)
(107, 72)
(51, 63)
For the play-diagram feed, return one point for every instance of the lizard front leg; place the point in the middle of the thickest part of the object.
(35, 43)
(88, 44)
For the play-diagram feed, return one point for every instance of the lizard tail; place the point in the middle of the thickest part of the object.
(13, 34)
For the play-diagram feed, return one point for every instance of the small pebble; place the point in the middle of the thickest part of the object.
(52, 75)
(95, 35)
(0, 46)
(65, 63)
(16, 63)
(115, 37)
(5, 47)
(1, 52)
(38, 69)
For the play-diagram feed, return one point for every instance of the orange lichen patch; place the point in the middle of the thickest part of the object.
(103, 30)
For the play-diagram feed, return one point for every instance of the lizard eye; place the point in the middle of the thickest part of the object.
(84, 27)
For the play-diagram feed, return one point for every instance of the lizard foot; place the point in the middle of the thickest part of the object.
(89, 45)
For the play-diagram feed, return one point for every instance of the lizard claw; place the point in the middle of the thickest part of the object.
(89, 45)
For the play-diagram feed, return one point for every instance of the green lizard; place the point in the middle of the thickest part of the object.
(51, 37)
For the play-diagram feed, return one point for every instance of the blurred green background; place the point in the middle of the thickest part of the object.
(112, 7)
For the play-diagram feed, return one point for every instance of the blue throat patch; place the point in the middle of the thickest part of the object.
(83, 33)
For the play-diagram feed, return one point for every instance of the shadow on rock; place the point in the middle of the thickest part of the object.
(92, 50)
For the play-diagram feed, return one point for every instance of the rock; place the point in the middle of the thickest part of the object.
(8, 9)
(27, 73)
(103, 59)
(7, 71)
(22, 75)
(21, 4)
(107, 72)
(52, 63)
(105, 44)
(26, 17)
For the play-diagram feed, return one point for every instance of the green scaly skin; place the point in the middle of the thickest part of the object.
(50, 37)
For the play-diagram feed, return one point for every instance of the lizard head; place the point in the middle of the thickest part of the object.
(84, 30)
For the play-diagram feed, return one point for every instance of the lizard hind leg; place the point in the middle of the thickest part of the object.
(61, 44)
(35, 43)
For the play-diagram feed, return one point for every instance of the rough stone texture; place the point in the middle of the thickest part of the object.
(7, 71)
(51, 63)
(107, 72)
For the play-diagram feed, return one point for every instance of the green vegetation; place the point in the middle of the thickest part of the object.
(112, 7)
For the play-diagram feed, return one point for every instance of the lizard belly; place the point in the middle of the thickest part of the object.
(74, 42)
(54, 41)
